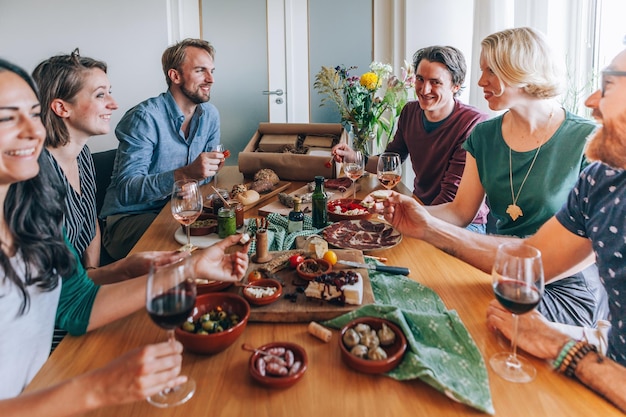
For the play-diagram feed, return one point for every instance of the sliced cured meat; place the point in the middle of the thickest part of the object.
(336, 183)
(362, 235)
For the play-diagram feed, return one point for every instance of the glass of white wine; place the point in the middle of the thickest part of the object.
(354, 165)
(186, 205)
(389, 169)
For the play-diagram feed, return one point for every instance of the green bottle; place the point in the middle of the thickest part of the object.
(296, 217)
(318, 201)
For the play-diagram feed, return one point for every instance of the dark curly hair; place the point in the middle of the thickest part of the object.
(33, 210)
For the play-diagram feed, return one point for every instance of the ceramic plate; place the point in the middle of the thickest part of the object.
(201, 241)
(362, 235)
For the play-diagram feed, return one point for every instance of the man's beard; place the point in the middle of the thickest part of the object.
(608, 143)
(195, 96)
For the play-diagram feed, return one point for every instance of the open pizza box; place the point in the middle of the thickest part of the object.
(295, 151)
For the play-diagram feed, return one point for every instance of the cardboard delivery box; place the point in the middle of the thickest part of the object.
(295, 151)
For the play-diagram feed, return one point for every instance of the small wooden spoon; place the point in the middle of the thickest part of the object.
(249, 348)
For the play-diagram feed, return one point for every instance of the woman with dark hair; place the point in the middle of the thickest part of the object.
(76, 104)
(43, 281)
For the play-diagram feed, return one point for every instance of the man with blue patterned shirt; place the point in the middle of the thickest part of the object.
(162, 140)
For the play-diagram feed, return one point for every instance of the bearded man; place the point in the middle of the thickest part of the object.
(162, 140)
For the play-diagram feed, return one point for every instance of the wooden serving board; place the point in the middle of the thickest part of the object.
(281, 186)
(303, 309)
(277, 207)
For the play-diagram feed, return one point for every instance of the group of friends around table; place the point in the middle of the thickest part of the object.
(531, 163)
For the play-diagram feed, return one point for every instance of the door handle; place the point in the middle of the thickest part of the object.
(278, 92)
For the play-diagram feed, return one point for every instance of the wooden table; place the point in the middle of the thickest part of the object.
(329, 388)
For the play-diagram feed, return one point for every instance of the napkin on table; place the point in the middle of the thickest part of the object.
(440, 351)
(278, 238)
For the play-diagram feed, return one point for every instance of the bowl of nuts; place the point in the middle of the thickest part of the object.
(372, 345)
(217, 321)
(311, 268)
(263, 291)
(278, 364)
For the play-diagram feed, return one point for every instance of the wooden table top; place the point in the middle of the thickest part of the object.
(328, 388)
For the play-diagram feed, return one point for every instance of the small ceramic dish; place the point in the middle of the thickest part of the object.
(310, 268)
(347, 209)
(256, 292)
(204, 287)
(204, 225)
(265, 378)
(394, 351)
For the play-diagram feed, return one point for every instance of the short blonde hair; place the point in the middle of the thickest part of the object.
(521, 57)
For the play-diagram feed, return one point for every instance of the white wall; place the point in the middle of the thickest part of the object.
(129, 35)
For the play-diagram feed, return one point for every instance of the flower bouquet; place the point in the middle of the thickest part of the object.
(370, 103)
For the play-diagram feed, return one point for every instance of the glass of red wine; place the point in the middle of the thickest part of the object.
(186, 205)
(518, 285)
(170, 300)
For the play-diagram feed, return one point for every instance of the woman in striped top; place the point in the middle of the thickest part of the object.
(76, 104)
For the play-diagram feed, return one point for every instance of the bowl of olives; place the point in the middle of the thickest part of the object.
(218, 320)
(372, 345)
(311, 268)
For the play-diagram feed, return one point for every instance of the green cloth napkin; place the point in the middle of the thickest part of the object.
(278, 238)
(441, 351)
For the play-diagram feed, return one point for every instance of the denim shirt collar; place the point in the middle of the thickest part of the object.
(177, 116)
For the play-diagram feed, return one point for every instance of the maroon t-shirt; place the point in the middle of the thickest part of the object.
(438, 157)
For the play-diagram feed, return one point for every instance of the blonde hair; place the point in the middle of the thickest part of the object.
(521, 57)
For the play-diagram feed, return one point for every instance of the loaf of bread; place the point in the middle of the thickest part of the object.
(248, 197)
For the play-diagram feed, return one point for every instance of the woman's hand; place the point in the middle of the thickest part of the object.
(138, 374)
(213, 263)
(404, 213)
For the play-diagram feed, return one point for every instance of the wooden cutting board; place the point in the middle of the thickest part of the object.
(304, 310)
(281, 186)
(277, 207)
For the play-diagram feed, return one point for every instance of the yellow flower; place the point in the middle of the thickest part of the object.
(369, 80)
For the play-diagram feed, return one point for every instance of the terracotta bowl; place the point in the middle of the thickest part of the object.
(212, 286)
(206, 224)
(395, 351)
(345, 203)
(266, 299)
(271, 381)
(306, 267)
(215, 342)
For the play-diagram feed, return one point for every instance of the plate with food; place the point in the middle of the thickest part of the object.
(362, 235)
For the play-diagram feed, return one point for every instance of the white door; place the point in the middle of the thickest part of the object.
(254, 83)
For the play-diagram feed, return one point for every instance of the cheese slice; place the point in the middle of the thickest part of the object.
(350, 290)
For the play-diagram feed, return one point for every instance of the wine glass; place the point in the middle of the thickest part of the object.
(170, 300)
(354, 167)
(389, 169)
(218, 148)
(518, 285)
(186, 205)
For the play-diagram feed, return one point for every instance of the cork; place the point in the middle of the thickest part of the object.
(320, 331)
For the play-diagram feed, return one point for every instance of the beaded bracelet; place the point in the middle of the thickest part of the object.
(559, 359)
(569, 356)
(580, 354)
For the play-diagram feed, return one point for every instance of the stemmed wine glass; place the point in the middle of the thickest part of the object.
(354, 167)
(186, 205)
(218, 148)
(389, 169)
(518, 285)
(170, 299)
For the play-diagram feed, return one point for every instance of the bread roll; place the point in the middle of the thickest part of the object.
(248, 197)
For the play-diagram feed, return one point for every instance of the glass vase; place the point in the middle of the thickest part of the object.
(363, 139)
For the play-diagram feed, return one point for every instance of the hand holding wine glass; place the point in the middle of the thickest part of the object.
(389, 169)
(170, 299)
(186, 205)
(518, 283)
(354, 166)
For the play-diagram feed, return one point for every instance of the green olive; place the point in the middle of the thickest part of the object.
(209, 325)
(189, 326)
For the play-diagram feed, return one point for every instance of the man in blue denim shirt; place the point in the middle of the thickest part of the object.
(162, 139)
